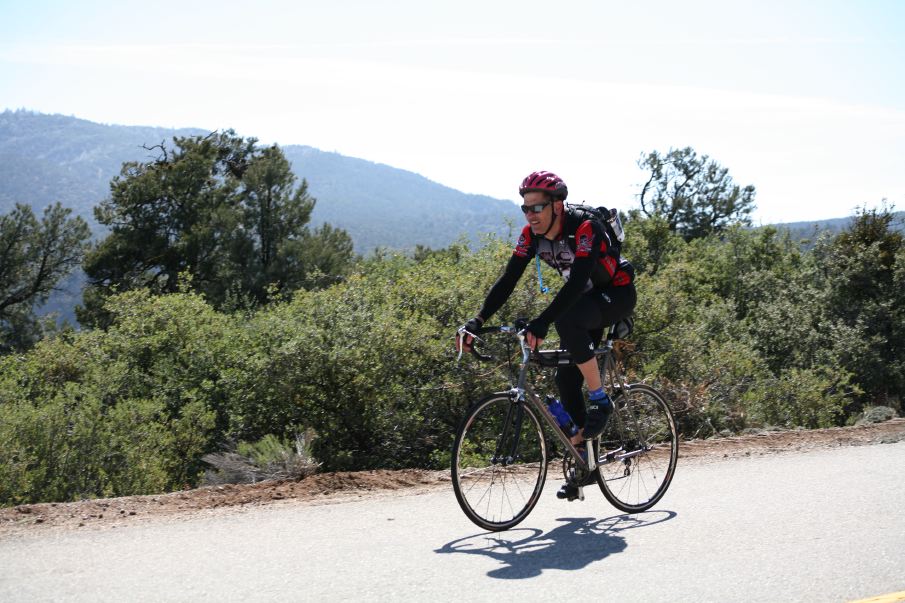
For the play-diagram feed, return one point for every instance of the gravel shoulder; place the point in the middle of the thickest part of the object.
(329, 488)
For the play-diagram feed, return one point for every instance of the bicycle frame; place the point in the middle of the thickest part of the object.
(523, 393)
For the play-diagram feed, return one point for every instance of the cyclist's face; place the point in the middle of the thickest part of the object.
(540, 221)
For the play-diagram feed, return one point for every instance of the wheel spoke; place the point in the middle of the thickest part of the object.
(496, 494)
(642, 433)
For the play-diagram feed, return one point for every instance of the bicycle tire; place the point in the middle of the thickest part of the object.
(639, 450)
(497, 485)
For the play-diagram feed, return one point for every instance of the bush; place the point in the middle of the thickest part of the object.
(799, 398)
(126, 411)
(73, 447)
(876, 414)
(269, 458)
(369, 364)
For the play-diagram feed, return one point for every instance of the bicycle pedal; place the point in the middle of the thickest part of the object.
(570, 491)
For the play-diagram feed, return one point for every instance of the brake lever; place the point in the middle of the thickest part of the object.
(461, 332)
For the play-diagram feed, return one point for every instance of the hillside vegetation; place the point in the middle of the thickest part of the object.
(739, 330)
(223, 326)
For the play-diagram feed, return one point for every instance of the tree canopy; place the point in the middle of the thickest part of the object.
(216, 214)
(693, 193)
(34, 256)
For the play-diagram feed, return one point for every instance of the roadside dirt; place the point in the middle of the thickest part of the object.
(336, 487)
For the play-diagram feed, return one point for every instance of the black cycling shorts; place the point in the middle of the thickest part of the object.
(580, 331)
(581, 327)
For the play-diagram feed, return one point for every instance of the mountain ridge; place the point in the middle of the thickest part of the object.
(48, 158)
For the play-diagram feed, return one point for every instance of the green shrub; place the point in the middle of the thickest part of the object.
(799, 398)
(737, 331)
(73, 447)
(269, 458)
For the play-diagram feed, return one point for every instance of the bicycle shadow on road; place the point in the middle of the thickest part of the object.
(579, 541)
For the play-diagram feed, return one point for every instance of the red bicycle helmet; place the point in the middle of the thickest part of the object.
(545, 182)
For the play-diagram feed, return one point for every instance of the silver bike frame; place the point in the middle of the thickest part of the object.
(522, 392)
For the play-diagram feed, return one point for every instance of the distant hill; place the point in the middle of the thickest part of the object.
(806, 230)
(381, 206)
(809, 231)
(48, 158)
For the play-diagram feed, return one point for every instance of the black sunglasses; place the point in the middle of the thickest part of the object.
(534, 209)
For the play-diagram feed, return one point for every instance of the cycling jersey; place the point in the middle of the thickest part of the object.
(579, 255)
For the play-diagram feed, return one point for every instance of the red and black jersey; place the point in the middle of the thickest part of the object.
(579, 239)
(582, 255)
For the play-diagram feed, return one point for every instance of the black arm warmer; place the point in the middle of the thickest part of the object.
(504, 286)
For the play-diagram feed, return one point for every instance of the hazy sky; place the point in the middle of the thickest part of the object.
(805, 100)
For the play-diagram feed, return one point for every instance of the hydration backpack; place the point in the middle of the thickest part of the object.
(609, 221)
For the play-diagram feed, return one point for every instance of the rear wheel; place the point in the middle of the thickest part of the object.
(499, 462)
(638, 450)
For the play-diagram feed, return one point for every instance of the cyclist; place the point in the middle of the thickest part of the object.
(598, 291)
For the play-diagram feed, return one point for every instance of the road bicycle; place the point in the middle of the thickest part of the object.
(501, 454)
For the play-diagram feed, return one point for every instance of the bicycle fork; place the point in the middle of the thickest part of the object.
(515, 424)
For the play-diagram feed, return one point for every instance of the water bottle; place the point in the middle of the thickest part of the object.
(562, 416)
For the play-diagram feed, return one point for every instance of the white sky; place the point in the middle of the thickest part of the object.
(805, 100)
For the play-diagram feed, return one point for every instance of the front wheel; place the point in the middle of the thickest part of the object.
(638, 450)
(499, 462)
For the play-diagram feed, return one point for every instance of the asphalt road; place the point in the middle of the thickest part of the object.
(819, 526)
